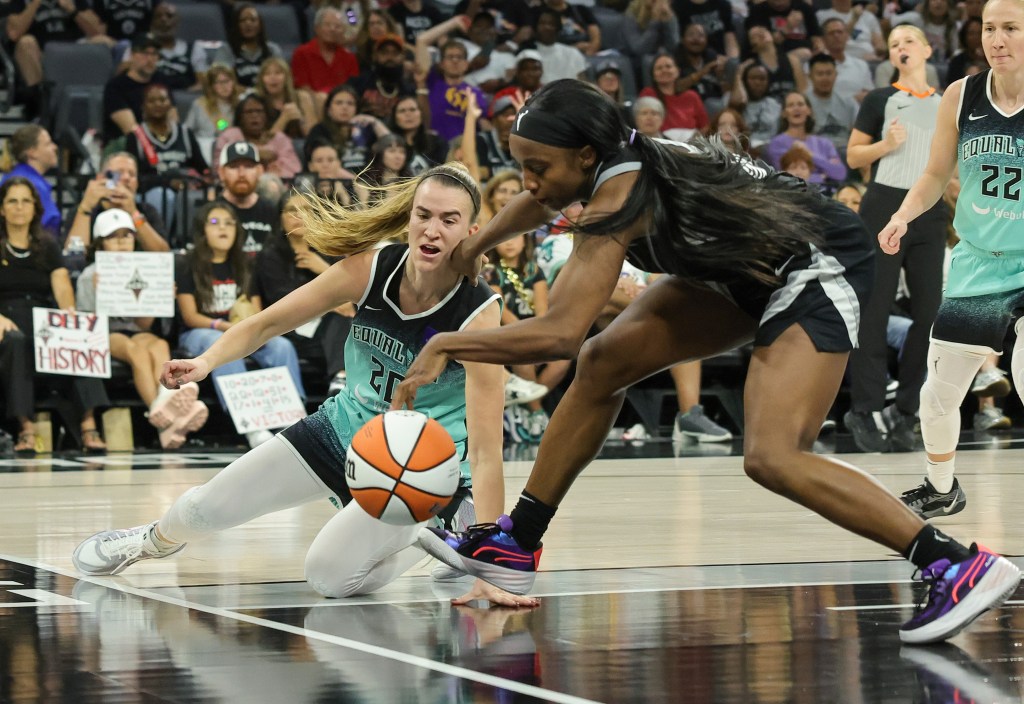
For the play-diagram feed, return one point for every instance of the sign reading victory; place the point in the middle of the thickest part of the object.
(261, 399)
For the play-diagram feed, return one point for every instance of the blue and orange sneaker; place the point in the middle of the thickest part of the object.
(486, 551)
(958, 593)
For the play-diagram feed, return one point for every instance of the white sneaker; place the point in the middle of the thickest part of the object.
(991, 383)
(694, 424)
(258, 437)
(112, 551)
(636, 432)
(519, 390)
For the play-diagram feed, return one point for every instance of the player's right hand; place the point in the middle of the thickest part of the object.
(890, 236)
(178, 372)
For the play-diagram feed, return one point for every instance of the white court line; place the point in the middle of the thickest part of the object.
(355, 601)
(887, 607)
(415, 660)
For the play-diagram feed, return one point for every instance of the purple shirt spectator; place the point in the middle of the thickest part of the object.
(448, 105)
(827, 163)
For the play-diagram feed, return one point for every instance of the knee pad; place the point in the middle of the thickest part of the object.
(188, 518)
(1017, 358)
(951, 370)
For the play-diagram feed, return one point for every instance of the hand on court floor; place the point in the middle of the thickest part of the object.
(424, 370)
(497, 597)
(890, 236)
(181, 371)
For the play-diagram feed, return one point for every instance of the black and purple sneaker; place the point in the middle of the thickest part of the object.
(958, 593)
(486, 551)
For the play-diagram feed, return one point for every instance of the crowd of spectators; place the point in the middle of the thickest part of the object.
(206, 138)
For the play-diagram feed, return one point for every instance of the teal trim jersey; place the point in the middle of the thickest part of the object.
(384, 341)
(990, 154)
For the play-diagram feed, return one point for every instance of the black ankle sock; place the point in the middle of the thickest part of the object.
(932, 544)
(530, 520)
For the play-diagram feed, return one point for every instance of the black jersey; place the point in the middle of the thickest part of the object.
(822, 288)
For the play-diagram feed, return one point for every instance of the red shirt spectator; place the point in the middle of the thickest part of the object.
(322, 63)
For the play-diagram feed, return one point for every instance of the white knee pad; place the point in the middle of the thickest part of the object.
(951, 370)
(1017, 359)
(186, 519)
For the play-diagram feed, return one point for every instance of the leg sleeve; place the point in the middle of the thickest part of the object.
(271, 477)
(358, 554)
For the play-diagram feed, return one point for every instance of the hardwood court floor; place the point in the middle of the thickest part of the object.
(666, 579)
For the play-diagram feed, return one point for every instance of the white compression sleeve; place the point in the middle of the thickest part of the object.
(356, 554)
(951, 369)
(271, 477)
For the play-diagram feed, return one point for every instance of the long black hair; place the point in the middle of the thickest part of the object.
(703, 207)
(201, 256)
(235, 34)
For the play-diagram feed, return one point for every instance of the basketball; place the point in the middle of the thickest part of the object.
(402, 467)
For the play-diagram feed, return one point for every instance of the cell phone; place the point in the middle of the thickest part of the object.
(113, 177)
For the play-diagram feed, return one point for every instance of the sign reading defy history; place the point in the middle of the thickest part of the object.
(71, 343)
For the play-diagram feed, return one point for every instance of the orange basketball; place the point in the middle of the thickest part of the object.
(402, 467)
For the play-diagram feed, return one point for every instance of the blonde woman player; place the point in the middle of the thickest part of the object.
(405, 294)
(979, 128)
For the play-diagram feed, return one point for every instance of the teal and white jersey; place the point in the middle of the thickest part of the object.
(384, 341)
(990, 155)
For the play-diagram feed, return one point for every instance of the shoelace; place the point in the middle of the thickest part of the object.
(932, 576)
(918, 495)
(478, 528)
(124, 544)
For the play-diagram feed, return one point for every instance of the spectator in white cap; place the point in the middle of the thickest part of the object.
(173, 413)
(528, 77)
(240, 171)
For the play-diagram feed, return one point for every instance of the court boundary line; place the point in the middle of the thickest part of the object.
(387, 653)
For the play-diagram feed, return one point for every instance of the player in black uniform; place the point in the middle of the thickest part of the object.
(750, 254)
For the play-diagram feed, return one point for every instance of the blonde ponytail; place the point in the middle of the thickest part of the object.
(336, 230)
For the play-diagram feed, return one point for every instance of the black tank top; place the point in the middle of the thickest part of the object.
(653, 252)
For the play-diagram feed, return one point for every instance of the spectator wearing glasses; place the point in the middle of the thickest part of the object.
(252, 124)
(210, 280)
(445, 83)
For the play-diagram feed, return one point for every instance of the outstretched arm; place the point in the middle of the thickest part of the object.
(589, 276)
(932, 183)
(344, 281)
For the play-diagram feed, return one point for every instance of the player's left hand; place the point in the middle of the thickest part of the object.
(425, 369)
(495, 595)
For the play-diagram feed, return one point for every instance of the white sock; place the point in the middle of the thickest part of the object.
(161, 394)
(940, 474)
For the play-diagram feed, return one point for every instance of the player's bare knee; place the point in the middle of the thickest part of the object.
(598, 367)
(770, 465)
